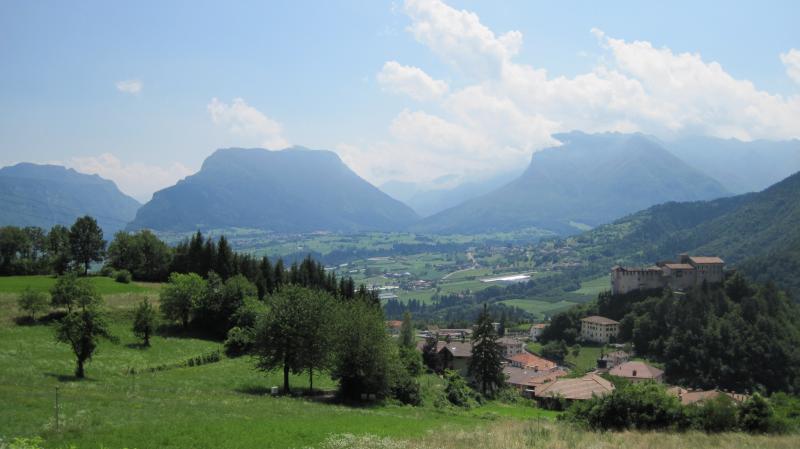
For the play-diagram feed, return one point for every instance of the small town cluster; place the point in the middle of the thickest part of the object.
(546, 380)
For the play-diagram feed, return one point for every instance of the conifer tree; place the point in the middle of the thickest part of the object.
(485, 366)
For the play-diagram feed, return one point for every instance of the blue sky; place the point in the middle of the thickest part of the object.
(142, 92)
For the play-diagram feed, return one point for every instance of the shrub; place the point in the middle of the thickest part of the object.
(714, 415)
(239, 341)
(107, 271)
(123, 276)
(757, 416)
(406, 389)
(645, 406)
(457, 390)
(33, 302)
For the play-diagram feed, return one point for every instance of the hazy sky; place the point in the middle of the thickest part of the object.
(142, 92)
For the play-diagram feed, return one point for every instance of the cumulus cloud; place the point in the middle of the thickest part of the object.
(507, 110)
(136, 179)
(248, 123)
(411, 81)
(459, 37)
(791, 60)
(129, 86)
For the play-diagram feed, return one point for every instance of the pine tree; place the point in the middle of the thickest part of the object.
(485, 366)
(407, 332)
(223, 262)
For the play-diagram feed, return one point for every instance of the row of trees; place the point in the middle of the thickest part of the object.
(32, 250)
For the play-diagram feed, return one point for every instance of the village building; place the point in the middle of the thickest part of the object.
(455, 355)
(683, 274)
(637, 372)
(612, 359)
(536, 330)
(689, 397)
(526, 381)
(512, 346)
(599, 329)
(579, 389)
(393, 326)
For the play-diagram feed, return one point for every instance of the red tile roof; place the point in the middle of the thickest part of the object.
(577, 389)
(679, 266)
(531, 361)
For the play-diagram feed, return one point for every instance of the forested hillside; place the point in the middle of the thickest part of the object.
(758, 233)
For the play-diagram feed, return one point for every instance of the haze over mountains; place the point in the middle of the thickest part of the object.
(47, 195)
(589, 180)
(294, 190)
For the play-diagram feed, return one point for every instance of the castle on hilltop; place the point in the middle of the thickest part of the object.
(687, 272)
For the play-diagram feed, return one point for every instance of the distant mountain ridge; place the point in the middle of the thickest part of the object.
(46, 195)
(591, 179)
(293, 190)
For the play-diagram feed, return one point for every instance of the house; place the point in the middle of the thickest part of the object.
(612, 359)
(689, 397)
(637, 372)
(455, 355)
(536, 330)
(683, 274)
(576, 389)
(512, 346)
(526, 360)
(599, 329)
(526, 381)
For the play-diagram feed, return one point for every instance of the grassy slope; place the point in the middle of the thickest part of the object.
(219, 405)
(104, 285)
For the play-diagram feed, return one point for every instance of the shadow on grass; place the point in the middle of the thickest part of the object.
(138, 345)
(41, 321)
(68, 377)
(298, 392)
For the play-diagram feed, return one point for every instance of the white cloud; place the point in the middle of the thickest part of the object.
(129, 86)
(459, 37)
(136, 179)
(411, 81)
(248, 123)
(791, 60)
(507, 110)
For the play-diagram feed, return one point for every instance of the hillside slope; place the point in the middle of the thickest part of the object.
(591, 179)
(758, 233)
(294, 190)
(46, 195)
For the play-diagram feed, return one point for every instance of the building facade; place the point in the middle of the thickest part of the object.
(683, 274)
(599, 329)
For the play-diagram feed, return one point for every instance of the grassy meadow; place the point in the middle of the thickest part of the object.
(225, 404)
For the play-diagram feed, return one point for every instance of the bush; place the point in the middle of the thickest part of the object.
(33, 302)
(406, 389)
(107, 271)
(714, 415)
(757, 416)
(239, 341)
(457, 391)
(123, 276)
(644, 406)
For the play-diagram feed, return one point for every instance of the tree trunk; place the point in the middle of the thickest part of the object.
(311, 380)
(146, 339)
(79, 370)
(86, 269)
(286, 378)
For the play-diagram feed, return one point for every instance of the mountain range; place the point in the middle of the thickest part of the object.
(589, 180)
(293, 190)
(47, 195)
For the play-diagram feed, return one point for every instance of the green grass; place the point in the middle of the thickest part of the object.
(594, 287)
(538, 307)
(217, 405)
(104, 285)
